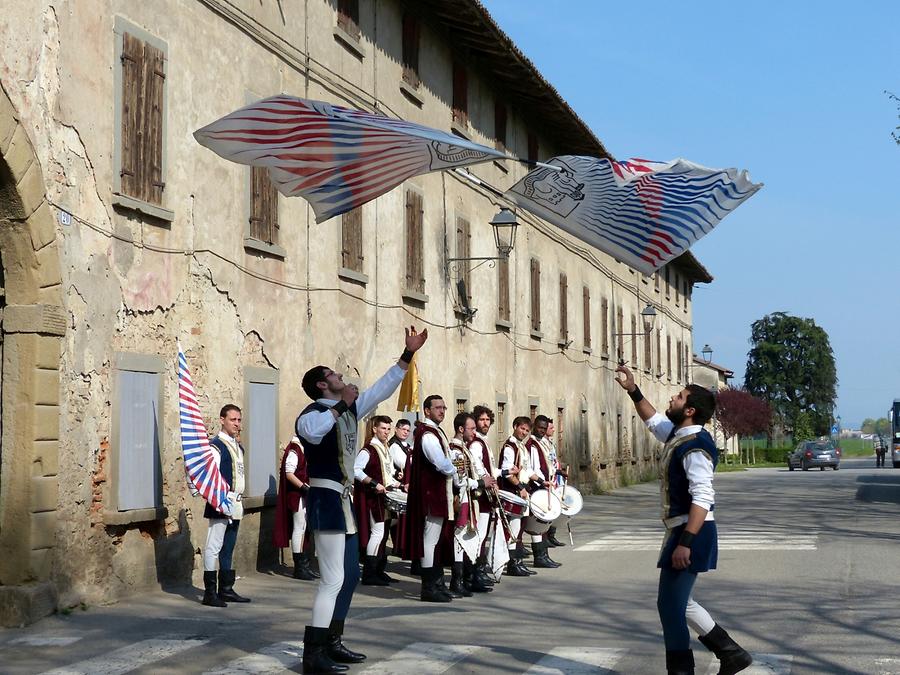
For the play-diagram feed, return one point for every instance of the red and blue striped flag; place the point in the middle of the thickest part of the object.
(335, 158)
(643, 213)
(199, 458)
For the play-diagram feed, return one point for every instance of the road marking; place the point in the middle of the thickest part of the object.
(274, 658)
(44, 641)
(423, 658)
(128, 658)
(577, 661)
(763, 664)
(888, 666)
(736, 540)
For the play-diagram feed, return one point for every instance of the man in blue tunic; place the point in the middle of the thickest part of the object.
(686, 469)
(328, 429)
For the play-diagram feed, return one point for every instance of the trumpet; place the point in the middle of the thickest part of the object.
(464, 470)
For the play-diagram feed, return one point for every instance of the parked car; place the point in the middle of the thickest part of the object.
(809, 454)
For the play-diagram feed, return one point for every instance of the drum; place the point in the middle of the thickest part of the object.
(572, 501)
(512, 504)
(544, 507)
(395, 500)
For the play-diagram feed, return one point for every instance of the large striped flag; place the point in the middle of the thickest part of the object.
(335, 158)
(642, 213)
(199, 458)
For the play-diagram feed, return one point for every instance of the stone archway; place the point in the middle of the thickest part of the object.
(32, 326)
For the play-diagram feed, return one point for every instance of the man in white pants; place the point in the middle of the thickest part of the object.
(328, 429)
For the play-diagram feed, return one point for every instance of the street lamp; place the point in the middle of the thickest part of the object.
(707, 354)
(505, 226)
(648, 316)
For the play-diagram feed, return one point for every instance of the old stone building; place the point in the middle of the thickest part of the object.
(121, 236)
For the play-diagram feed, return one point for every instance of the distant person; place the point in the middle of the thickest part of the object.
(687, 465)
(880, 451)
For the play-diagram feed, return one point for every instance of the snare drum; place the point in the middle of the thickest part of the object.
(513, 505)
(395, 500)
(544, 508)
(572, 501)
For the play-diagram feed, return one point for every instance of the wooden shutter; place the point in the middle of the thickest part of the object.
(348, 16)
(659, 369)
(604, 324)
(411, 50)
(620, 325)
(143, 87)
(415, 273)
(586, 312)
(563, 308)
(668, 283)
(634, 351)
(460, 94)
(500, 125)
(677, 290)
(669, 356)
(535, 294)
(680, 370)
(263, 206)
(351, 240)
(648, 333)
(503, 309)
(532, 147)
(463, 250)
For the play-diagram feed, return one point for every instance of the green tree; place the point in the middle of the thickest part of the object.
(883, 426)
(791, 365)
(868, 426)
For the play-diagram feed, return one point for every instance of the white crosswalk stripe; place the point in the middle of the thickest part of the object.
(422, 658)
(275, 658)
(128, 658)
(650, 539)
(577, 661)
(763, 664)
(44, 641)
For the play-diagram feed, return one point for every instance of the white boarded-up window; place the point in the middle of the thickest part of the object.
(137, 432)
(260, 427)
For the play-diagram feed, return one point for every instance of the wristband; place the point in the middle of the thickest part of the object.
(406, 356)
(636, 395)
(341, 407)
(686, 539)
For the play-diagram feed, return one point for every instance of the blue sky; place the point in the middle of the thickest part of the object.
(793, 92)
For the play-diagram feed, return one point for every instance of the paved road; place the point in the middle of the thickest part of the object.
(806, 582)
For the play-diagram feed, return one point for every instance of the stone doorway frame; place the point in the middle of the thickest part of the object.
(33, 325)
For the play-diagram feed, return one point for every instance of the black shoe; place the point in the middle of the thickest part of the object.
(337, 651)
(513, 569)
(226, 587)
(680, 662)
(370, 575)
(481, 573)
(315, 653)
(457, 590)
(430, 591)
(210, 597)
(301, 567)
(379, 570)
(524, 569)
(732, 657)
(551, 538)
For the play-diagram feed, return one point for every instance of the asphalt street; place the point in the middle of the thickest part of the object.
(807, 582)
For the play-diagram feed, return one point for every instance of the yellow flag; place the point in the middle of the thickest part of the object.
(408, 399)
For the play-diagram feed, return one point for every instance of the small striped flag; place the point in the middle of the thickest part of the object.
(643, 213)
(336, 158)
(199, 458)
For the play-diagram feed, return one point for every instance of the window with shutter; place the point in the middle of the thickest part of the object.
(535, 295)
(263, 206)
(659, 369)
(348, 16)
(586, 312)
(415, 268)
(532, 147)
(351, 240)
(647, 348)
(503, 309)
(563, 308)
(620, 326)
(411, 33)
(677, 290)
(668, 283)
(604, 323)
(500, 125)
(460, 94)
(669, 356)
(143, 92)
(634, 351)
(463, 250)
(680, 354)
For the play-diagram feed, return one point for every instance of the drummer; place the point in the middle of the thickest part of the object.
(515, 455)
(543, 473)
(559, 476)
(484, 419)
(374, 476)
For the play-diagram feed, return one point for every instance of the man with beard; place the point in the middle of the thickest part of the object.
(327, 428)
(558, 476)
(690, 546)
(545, 473)
(514, 455)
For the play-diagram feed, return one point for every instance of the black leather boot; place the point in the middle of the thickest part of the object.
(471, 580)
(541, 559)
(337, 651)
(315, 654)
(210, 597)
(732, 657)
(680, 662)
(379, 569)
(513, 569)
(481, 572)
(520, 560)
(226, 587)
(301, 567)
(551, 537)
(370, 575)
(457, 590)
(546, 551)
(430, 591)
